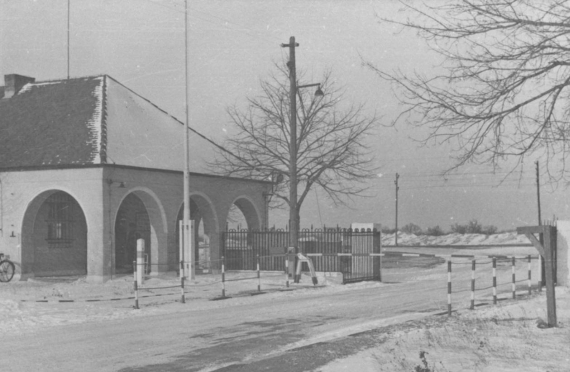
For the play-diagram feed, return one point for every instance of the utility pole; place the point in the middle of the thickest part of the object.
(541, 238)
(293, 213)
(538, 192)
(397, 188)
(293, 216)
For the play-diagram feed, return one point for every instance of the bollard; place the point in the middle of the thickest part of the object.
(514, 286)
(529, 276)
(223, 277)
(494, 280)
(258, 276)
(136, 286)
(539, 273)
(140, 260)
(472, 285)
(287, 270)
(183, 297)
(449, 288)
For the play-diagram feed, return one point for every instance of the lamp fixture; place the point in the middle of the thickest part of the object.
(122, 184)
(319, 92)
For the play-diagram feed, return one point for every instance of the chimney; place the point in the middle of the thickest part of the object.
(14, 83)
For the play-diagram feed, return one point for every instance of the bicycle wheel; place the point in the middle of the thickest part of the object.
(6, 271)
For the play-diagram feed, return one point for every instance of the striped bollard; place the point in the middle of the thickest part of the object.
(136, 286)
(529, 275)
(223, 276)
(140, 260)
(449, 288)
(514, 285)
(494, 280)
(287, 270)
(258, 276)
(183, 298)
(472, 285)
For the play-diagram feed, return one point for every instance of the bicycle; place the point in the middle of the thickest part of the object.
(7, 269)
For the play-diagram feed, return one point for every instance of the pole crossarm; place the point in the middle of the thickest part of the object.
(309, 85)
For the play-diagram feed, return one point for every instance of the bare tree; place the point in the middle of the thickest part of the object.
(502, 90)
(332, 152)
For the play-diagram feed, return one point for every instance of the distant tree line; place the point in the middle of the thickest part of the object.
(472, 227)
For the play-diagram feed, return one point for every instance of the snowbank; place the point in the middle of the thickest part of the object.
(455, 239)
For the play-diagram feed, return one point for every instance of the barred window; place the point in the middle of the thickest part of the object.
(60, 220)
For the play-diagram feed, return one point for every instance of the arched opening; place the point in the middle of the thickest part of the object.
(241, 245)
(54, 236)
(201, 212)
(236, 219)
(132, 223)
(243, 215)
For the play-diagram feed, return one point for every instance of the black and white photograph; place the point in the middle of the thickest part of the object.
(285, 185)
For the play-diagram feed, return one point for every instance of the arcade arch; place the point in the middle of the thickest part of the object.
(206, 226)
(54, 236)
(140, 216)
(244, 215)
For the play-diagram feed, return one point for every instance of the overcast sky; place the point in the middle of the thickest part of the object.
(234, 45)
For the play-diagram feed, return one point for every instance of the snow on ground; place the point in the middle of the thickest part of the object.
(489, 339)
(90, 302)
(455, 239)
(508, 337)
(26, 306)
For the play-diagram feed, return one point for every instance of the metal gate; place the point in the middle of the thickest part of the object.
(241, 248)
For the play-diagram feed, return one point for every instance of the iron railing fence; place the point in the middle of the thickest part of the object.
(241, 248)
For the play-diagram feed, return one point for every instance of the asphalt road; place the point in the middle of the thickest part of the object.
(297, 331)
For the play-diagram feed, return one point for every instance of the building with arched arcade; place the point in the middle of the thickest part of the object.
(87, 166)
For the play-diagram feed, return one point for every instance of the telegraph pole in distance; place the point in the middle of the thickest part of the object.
(538, 192)
(541, 239)
(397, 188)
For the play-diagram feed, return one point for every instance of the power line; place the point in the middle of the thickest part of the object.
(244, 29)
(463, 186)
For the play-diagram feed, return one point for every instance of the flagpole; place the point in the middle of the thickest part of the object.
(186, 223)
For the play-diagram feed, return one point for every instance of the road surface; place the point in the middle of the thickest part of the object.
(268, 331)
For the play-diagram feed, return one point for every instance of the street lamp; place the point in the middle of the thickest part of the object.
(293, 215)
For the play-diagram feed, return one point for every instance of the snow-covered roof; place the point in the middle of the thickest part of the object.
(91, 120)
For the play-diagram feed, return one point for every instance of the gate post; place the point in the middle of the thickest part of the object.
(377, 260)
(547, 251)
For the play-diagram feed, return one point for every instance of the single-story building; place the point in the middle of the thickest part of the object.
(87, 166)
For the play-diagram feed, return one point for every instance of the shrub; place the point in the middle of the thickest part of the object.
(459, 229)
(412, 228)
(490, 230)
(434, 231)
(387, 230)
(473, 227)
